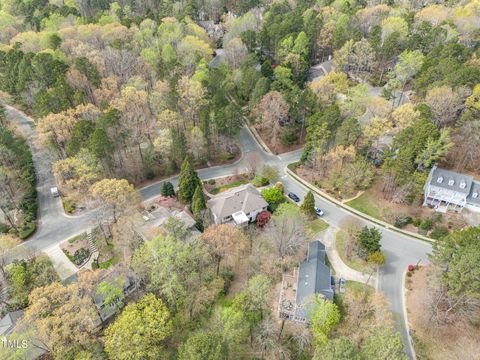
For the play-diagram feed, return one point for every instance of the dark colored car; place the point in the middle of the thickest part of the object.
(293, 197)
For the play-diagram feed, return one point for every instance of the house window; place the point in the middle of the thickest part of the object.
(451, 182)
(440, 179)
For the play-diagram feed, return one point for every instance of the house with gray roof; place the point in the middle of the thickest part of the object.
(320, 70)
(7, 323)
(239, 205)
(313, 277)
(448, 190)
(124, 281)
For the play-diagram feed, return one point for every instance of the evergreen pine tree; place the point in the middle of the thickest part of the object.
(198, 204)
(266, 69)
(308, 206)
(167, 189)
(188, 181)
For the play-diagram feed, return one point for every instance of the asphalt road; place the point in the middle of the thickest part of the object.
(55, 227)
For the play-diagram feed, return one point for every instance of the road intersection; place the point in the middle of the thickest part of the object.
(54, 226)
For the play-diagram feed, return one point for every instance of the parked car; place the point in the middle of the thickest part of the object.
(318, 211)
(332, 281)
(293, 197)
(54, 191)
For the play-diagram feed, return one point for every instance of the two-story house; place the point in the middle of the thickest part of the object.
(448, 190)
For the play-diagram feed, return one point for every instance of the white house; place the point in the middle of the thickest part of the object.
(239, 205)
(447, 190)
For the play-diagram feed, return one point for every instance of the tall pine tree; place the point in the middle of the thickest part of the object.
(188, 181)
(308, 206)
(198, 204)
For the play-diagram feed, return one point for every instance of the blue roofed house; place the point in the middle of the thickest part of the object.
(447, 190)
(313, 277)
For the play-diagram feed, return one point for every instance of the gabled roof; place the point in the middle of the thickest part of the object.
(313, 277)
(244, 198)
(7, 323)
(474, 196)
(451, 180)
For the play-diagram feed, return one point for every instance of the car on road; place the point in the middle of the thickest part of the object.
(318, 211)
(294, 197)
(54, 191)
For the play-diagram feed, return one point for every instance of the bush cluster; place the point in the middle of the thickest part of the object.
(80, 256)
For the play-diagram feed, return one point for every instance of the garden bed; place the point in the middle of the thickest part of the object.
(77, 249)
(216, 186)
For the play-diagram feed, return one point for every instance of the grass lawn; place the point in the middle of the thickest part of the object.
(367, 205)
(82, 236)
(228, 186)
(355, 262)
(316, 226)
(358, 287)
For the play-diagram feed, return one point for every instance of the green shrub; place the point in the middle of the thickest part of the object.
(409, 274)
(227, 275)
(259, 181)
(289, 137)
(4, 228)
(26, 230)
(426, 225)
(416, 222)
(402, 221)
(439, 232)
(69, 206)
(211, 181)
(80, 256)
(150, 175)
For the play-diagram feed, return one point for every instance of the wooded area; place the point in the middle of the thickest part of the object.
(132, 91)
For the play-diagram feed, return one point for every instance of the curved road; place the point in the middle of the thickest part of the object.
(55, 226)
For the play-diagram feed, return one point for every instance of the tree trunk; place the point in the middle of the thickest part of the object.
(281, 329)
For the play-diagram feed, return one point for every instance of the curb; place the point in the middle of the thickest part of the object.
(351, 210)
(405, 316)
(259, 140)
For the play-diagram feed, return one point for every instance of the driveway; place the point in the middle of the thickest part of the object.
(328, 238)
(54, 227)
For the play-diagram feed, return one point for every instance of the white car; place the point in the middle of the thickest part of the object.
(54, 191)
(318, 211)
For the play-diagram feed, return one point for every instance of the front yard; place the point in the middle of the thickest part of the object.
(316, 226)
(77, 249)
(216, 186)
(350, 258)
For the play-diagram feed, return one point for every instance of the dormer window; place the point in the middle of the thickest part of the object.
(440, 179)
(463, 184)
(451, 182)
(475, 195)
